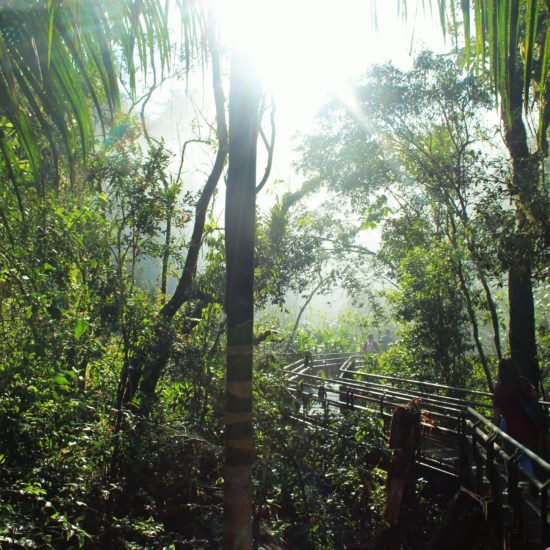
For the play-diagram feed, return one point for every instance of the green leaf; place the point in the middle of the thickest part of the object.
(81, 326)
(60, 380)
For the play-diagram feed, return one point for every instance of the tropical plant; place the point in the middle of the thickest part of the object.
(512, 50)
(62, 61)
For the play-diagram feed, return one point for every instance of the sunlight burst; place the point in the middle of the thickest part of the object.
(305, 49)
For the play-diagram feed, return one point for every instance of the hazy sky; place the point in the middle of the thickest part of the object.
(306, 50)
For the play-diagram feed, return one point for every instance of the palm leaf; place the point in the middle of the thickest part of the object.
(505, 31)
(57, 62)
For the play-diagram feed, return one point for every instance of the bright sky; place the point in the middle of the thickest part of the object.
(306, 50)
(309, 49)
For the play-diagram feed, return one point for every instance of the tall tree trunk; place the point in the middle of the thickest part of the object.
(521, 334)
(240, 225)
(521, 337)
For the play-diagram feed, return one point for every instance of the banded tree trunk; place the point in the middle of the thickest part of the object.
(240, 225)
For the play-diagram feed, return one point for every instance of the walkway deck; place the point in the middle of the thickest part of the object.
(458, 438)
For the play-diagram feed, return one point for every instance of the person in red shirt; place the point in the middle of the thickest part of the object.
(511, 391)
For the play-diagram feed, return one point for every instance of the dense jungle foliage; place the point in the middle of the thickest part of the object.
(113, 348)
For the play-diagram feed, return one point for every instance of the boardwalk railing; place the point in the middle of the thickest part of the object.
(458, 438)
(496, 465)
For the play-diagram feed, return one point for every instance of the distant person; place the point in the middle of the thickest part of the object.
(370, 346)
(387, 340)
(512, 393)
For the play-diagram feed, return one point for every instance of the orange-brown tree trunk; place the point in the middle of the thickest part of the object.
(404, 440)
(240, 231)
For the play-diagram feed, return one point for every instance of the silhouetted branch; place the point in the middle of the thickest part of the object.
(270, 146)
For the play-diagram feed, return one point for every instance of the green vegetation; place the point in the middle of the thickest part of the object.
(130, 416)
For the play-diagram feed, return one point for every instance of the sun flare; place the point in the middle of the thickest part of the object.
(307, 49)
(304, 48)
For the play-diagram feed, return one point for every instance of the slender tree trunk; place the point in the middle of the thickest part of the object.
(493, 312)
(166, 251)
(240, 222)
(181, 293)
(149, 364)
(469, 304)
(475, 327)
(463, 216)
(303, 308)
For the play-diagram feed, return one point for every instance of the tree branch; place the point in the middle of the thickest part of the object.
(180, 294)
(270, 146)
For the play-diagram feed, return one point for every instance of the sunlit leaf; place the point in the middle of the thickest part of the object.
(81, 326)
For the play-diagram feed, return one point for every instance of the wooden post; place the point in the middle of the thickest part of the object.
(404, 440)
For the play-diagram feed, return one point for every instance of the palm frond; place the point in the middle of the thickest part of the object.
(508, 31)
(60, 62)
(506, 34)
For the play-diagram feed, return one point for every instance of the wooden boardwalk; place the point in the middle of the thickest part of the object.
(459, 442)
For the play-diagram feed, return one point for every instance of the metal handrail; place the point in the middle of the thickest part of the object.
(505, 437)
(363, 393)
(455, 401)
(494, 462)
(424, 384)
(388, 391)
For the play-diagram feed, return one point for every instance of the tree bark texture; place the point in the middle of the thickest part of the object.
(521, 337)
(404, 440)
(240, 225)
(522, 333)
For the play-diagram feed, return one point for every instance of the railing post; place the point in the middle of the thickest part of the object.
(305, 402)
(300, 393)
(495, 501)
(515, 500)
(462, 450)
(382, 410)
(342, 397)
(490, 466)
(476, 455)
(544, 535)
(322, 394)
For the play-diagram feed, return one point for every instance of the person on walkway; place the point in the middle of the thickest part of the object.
(370, 346)
(512, 393)
(387, 340)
